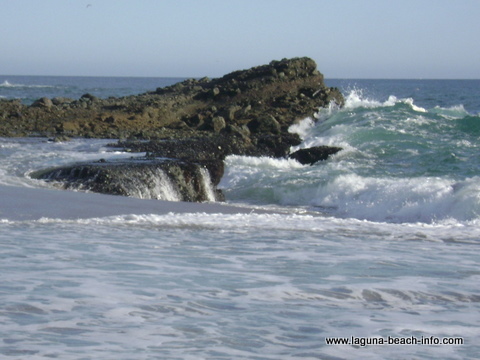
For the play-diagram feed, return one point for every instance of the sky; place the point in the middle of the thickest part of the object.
(193, 38)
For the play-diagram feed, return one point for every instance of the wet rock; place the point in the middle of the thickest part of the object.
(314, 154)
(147, 179)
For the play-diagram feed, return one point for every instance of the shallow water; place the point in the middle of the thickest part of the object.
(252, 286)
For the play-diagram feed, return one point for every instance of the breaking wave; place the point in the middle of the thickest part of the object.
(400, 163)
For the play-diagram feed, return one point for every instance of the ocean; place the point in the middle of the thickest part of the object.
(372, 254)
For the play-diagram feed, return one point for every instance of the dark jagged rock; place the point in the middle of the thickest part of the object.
(192, 123)
(314, 154)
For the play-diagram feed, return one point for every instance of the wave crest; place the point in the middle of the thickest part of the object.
(424, 199)
(356, 99)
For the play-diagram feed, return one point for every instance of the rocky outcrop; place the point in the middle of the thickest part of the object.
(189, 125)
(273, 96)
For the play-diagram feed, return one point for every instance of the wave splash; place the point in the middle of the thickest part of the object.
(401, 163)
(426, 200)
(356, 99)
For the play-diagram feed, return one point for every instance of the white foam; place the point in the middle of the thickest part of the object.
(262, 162)
(302, 128)
(83, 209)
(423, 199)
(356, 99)
(453, 112)
(162, 189)
(207, 184)
(7, 84)
(409, 101)
(19, 157)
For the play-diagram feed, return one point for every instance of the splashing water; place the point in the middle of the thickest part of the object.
(400, 163)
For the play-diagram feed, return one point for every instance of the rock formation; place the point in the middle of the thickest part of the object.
(273, 95)
(171, 180)
(196, 122)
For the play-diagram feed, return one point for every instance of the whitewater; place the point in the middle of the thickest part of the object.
(380, 240)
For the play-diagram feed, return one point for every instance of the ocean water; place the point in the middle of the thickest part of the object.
(382, 240)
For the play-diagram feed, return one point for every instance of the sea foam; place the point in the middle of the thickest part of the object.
(7, 84)
(400, 200)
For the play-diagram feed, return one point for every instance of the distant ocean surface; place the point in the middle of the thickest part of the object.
(382, 240)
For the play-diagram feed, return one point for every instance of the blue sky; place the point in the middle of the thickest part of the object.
(347, 38)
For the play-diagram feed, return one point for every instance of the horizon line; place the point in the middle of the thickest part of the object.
(213, 77)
